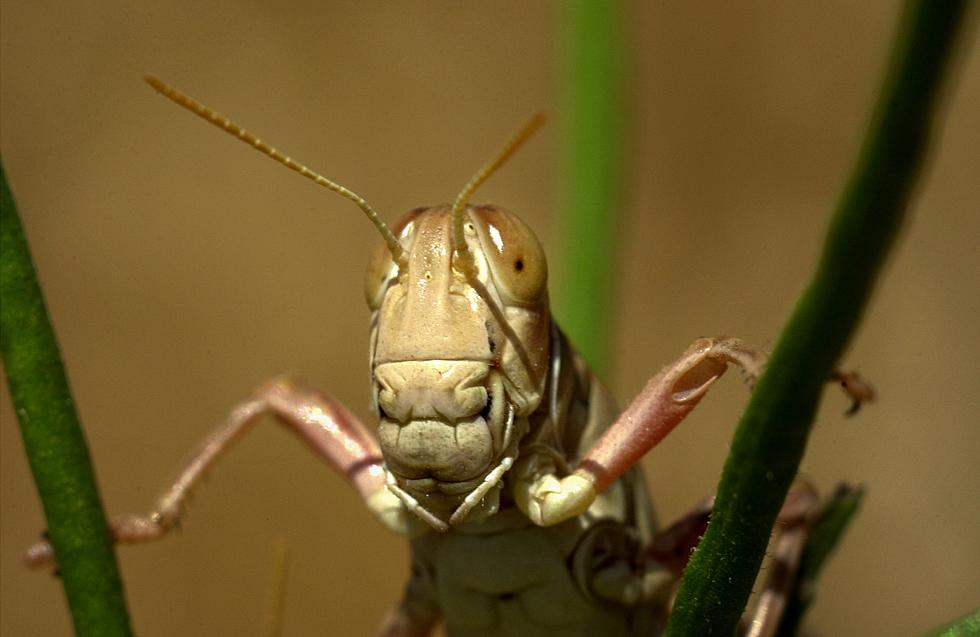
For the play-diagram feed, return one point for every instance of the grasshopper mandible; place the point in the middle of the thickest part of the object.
(499, 454)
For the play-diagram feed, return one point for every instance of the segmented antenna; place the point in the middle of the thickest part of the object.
(225, 124)
(464, 259)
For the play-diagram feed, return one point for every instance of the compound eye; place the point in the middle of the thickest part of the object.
(381, 267)
(516, 259)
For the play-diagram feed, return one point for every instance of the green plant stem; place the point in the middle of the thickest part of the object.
(772, 433)
(54, 441)
(966, 626)
(591, 122)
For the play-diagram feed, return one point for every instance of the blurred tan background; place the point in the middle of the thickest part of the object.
(182, 269)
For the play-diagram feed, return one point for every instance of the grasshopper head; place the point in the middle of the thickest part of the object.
(458, 358)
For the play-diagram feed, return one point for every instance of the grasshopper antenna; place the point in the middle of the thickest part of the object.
(225, 124)
(464, 259)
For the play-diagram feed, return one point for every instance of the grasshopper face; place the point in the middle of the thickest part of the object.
(458, 361)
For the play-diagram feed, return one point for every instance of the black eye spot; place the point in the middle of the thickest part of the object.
(519, 265)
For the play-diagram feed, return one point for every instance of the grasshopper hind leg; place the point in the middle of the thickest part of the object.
(652, 581)
(673, 546)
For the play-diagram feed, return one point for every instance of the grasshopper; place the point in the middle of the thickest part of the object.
(498, 453)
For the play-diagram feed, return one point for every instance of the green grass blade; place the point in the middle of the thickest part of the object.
(54, 441)
(966, 626)
(772, 433)
(592, 131)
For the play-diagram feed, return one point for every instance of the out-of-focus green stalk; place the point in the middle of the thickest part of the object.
(966, 626)
(772, 434)
(591, 126)
(54, 441)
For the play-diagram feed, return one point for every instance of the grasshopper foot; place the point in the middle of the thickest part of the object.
(389, 509)
(548, 500)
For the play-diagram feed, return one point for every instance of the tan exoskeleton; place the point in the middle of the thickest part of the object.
(498, 452)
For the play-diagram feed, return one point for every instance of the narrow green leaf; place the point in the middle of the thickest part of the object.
(773, 431)
(54, 441)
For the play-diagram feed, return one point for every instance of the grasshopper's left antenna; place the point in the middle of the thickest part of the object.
(225, 124)
(464, 259)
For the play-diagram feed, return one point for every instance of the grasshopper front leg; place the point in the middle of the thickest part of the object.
(664, 402)
(327, 427)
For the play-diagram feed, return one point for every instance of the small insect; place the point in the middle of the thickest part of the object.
(498, 453)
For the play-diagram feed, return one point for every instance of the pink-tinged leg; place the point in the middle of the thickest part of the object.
(327, 427)
(792, 529)
(666, 559)
(665, 401)
(672, 547)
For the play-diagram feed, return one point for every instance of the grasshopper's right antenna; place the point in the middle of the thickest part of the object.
(464, 258)
(225, 124)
